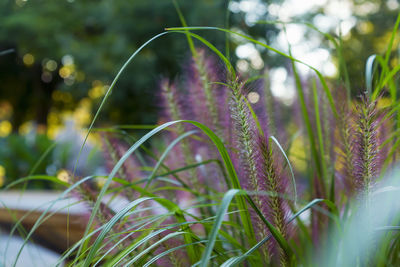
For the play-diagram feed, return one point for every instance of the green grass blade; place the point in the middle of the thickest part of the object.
(227, 63)
(119, 215)
(369, 73)
(388, 228)
(190, 166)
(164, 253)
(6, 52)
(319, 131)
(379, 60)
(154, 219)
(35, 178)
(275, 233)
(226, 201)
(390, 44)
(108, 93)
(290, 167)
(184, 24)
(39, 221)
(236, 260)
(71, 250)
(244, 213)
(165, 154)
(310, 132)
(384, 61)
(387, 78)
(254, 116)
(171, 235)
(142, 240)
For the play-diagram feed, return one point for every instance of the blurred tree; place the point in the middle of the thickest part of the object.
(65, 50)
(370, 35)
(366, 27)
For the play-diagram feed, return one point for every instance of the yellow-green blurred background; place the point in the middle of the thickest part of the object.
(58, 58)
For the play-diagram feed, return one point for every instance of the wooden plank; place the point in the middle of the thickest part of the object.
(58, 232)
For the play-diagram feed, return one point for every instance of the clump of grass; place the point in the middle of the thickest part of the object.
(218, 192)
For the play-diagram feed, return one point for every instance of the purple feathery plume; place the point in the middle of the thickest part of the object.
(319, 221)
(204, 94)
(176, 258)
(113, 150)
(245, 145)
(366, 163)
(244, 128)
(88, 193)
(383, 134)
(343, 144)
(273, 180)
(206, 102)
(259, 172)
(173, 111)
(170, 100)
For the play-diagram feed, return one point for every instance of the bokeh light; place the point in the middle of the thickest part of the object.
(28, 59)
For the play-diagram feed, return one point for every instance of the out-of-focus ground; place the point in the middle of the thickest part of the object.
(51, 238)
(33, 255)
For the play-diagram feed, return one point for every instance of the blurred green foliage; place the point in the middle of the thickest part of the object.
(371, 23)
(67, 52)
(99, 36)
(94, 39)
(371, 34)
(33, 154)
(18, 155)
